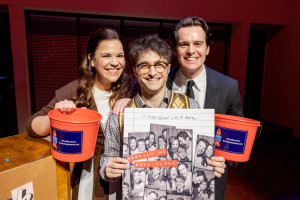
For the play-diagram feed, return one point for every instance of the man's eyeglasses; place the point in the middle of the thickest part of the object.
(144, 68)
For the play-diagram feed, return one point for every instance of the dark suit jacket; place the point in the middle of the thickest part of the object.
(222, 94)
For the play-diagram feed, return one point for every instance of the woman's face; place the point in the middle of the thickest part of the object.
(203, 185)
(201, 146)
(136, 177)
(173, 172)
(109, 63)
(132, 144)
(209, 151)
(161, 142)
(197, 179)
(141, 146)
(212, 186)
(175, 145)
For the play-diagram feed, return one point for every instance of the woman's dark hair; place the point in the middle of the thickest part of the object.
(131, 178)
(209, 192)
(87, 75)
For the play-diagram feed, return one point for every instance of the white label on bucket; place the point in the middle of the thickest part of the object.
(230, 140)
(67, 142)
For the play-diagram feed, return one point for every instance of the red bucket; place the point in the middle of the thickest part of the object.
(234, 137)
(73, 136)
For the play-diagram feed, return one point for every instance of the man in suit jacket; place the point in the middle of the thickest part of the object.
(192, 39)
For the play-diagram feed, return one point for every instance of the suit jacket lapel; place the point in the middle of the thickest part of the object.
(212, 90)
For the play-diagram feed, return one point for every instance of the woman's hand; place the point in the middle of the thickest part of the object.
(66, 106)
(120, 105)
(218, 162)
(115, 167)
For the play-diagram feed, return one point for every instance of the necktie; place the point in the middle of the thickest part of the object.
(189, 90)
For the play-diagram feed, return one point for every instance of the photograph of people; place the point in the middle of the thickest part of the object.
(182, 154)
(180, 186)
(202, 192)
(152, 141)
(171, 175)
(211, 192)
(125, 191)
(173, 147)
(198, 176)
(133, 145)
(185, 170)
(101, 83)
(186, 140)
(137, 185)
(156, 179)
(125, 150)
(162, 142)
(203, 152)
(153, 195)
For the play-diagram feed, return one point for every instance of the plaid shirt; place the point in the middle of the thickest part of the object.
(112, 144)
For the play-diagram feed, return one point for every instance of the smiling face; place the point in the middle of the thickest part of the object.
(191, 50)
(132, 144)
(179, 183)
(203, 185)
(151, 139)
(200, 148)
(141, 146)
(209, 151)
(173, 172)
(175, 145)
(136, 177)
(183, 170)
(152, 82)
(109, 63)
(162, 142)
(197, 179)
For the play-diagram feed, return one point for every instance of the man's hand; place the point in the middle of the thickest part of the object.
(120, 105)
(66, 106)
(115, 167)
(219, 165)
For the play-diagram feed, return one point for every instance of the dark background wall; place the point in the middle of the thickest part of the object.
(279, 18)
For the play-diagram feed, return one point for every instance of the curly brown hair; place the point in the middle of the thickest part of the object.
(122, 88)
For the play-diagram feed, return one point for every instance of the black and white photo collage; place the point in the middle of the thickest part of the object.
(189, 180)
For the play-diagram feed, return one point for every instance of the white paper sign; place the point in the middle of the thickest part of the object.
(25, 192)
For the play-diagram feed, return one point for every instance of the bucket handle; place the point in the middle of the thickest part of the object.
(259, 134)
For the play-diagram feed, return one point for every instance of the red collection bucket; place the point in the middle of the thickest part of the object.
(73, 136)
(234, 137)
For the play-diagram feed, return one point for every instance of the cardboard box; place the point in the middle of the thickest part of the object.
(28, 170)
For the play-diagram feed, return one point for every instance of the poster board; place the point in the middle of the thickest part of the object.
(167, 150)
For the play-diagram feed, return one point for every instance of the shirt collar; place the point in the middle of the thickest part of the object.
(141, 104)
(182, 80)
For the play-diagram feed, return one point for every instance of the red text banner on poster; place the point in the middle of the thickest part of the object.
(148, 154)
(159, 163)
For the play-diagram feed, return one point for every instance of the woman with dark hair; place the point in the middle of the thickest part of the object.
(133, 146)
(211, 189)
(101, 83)
(203, 190)
(137, 184)
(173, 147)
(209, 152)
(171, 174)
(200, 157)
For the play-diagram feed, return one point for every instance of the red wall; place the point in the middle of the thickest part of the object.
(280, 89)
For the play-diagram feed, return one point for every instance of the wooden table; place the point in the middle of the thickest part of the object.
(13, 147)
